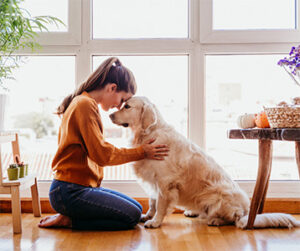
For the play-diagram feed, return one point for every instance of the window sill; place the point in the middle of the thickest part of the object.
(277, 189)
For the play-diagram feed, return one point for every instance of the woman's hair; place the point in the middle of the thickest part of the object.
(110, 71)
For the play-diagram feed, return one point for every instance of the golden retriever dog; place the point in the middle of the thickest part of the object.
(188, 178)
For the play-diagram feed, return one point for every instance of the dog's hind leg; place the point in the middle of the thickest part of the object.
(164, 205)
(151, 211)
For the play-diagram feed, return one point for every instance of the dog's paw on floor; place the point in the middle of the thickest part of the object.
(189, 213)
(145, 217)
(152, 224)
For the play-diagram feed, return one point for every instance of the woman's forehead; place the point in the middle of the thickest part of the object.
(126, 96)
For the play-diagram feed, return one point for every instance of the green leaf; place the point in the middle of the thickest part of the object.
(18, 30)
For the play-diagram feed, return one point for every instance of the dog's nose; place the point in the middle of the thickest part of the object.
(112, 116)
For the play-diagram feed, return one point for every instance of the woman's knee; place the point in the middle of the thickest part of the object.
(135, 216)
(123, 196)
(56, 201)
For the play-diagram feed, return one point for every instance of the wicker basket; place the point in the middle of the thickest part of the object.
(281, 117)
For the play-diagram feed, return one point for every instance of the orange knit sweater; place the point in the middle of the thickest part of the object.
(82, 151)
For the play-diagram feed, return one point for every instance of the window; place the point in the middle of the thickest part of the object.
(69, 11)
(200, 66)
(233, 89)
(140, 19)
(254, 14)
(40, 85)
(241, 75)
(249, 21)
(49, 8)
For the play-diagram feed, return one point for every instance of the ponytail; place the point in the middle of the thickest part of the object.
(110, 71)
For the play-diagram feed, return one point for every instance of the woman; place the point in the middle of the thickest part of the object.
(75, 192)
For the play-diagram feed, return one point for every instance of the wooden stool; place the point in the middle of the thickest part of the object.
(265, 148)
(14, 187)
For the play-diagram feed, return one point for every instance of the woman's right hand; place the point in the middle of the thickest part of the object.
(157, 152)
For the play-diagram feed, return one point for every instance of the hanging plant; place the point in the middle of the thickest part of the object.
(18, 31)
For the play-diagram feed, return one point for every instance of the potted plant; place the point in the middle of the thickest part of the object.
(291, 64)
(13, 172)
(17, 31)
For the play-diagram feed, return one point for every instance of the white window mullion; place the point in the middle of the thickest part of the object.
(205, 27)
(277, 189)
(140, 46)
(197, 98)
(297, 14)
(194, 19)
(75, 14)
(250, 48)
(84, 58)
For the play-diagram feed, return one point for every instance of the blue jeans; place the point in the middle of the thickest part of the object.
(94, 208)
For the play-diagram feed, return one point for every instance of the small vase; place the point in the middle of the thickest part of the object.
(22, 171)
(13, 173)
(26, 169)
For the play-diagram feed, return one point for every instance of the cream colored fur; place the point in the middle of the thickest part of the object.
(188, 178)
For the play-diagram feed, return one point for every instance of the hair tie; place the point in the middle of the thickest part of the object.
(118, 63)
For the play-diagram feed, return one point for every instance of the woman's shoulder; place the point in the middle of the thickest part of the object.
(85, 103)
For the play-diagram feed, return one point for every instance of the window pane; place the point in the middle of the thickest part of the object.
(56, 8)
(244, 84)
(254, 14)
(140, 18)
(39, 87)
(164, 80)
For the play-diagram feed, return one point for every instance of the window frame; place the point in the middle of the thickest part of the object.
(201, 42)
(210, 36)
(72, 36)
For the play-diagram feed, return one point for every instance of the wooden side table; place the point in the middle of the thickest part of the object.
(14, 187)
(265, 148)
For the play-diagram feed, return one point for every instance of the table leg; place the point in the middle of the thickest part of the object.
(262, 203)
(16, 209)
(262, 180)
(297, 150)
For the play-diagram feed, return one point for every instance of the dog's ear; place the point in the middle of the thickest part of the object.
(148, 118)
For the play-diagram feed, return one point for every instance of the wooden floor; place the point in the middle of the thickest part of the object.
(176, 233)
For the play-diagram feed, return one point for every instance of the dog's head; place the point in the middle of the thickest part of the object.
(137, 112)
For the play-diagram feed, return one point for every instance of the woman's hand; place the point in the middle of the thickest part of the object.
(157, 152)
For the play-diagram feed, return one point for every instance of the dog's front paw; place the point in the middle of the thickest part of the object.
(152, 224)
(145, 217)
(190, 213)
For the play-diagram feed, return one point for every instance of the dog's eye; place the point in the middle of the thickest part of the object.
(126, 106)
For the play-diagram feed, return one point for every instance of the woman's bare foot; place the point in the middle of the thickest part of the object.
(57, 220)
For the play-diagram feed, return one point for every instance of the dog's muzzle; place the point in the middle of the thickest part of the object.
(112, 117)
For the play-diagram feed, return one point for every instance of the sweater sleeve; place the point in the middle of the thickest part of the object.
(103, 153)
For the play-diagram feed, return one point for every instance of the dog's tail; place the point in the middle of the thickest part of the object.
(276, 220)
